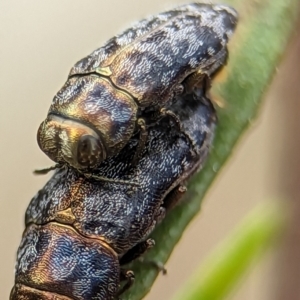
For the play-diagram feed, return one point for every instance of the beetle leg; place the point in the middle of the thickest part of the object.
(136, 251)
(197, 80)
(161, 215)
(129, 277)
(178, 90)
(87, 175)
(129, 256)
(159, 266)
(106, 179)
(142, 140)
(174, 197)
(47, 170)
(165, 112)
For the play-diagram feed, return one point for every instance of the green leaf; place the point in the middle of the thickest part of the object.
(255, 51)
(235, 255)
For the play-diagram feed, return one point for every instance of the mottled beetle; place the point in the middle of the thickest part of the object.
(79, 231)
(126, 85)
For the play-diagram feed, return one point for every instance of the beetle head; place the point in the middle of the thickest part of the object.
(68, 141)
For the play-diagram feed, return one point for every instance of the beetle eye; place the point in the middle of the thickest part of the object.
(88, 151)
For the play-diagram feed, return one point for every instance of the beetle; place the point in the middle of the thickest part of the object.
(80, 232)
(125, 86)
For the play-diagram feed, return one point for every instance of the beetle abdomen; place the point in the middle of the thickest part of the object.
(54, 260)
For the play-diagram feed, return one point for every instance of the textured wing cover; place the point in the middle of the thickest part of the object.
(150, 59)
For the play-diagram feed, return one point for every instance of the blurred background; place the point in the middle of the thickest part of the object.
(41, 40)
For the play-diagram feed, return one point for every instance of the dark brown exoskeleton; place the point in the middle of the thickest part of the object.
(80, 231)
(126, 85)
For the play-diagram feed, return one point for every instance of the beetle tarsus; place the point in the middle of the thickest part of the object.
(198, 80)
(47, 170)
(174, 197)
(137, 251)
(142, 141)
(129, 277)
(159, 266)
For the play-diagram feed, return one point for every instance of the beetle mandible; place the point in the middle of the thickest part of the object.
(124, 86)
